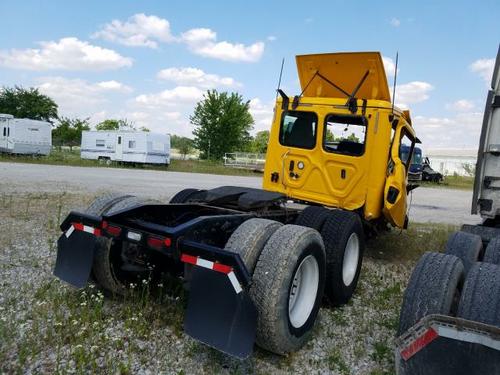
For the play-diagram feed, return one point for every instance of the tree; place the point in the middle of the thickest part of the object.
(112, 124)
(185, 146)
(27, 103)
(68, 132)
(108, 125)
(259, 143)
(222, 123)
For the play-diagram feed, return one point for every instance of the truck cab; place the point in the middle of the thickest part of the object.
(339, 142)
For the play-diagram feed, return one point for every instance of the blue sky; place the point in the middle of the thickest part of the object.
(151, 61)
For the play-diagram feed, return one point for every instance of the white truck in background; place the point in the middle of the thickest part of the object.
(450, 316)
(126, 146)
(25, 136)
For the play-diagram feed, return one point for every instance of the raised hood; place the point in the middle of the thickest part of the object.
(345, 70)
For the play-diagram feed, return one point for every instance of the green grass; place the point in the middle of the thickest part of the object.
(452, 182)
(72, 158)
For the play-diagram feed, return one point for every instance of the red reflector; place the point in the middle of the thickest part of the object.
(155, 242)
(222, 268)
(167, 242)
(419, 344)
(188, 259)
(104, 224)
(114, 231)
(78, 226)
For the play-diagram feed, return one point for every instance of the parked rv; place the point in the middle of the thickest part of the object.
(25, 136)
(126, 146)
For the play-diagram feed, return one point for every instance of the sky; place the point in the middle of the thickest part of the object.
(150, 61)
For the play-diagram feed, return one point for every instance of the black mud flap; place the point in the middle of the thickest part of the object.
(75, 255)
(218, 316)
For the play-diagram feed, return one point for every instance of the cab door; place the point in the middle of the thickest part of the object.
(395, 193)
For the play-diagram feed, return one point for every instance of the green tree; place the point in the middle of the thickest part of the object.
(222, 124)
(259, 143)
(112, 124)
(68, 132)
(27, 103)
(185, 146)
(108, 125)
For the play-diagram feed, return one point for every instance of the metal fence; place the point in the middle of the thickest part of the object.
(245, 160)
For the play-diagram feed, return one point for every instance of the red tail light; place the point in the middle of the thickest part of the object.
(159, 242)
(113, 230)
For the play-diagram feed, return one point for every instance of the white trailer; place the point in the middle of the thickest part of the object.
(25, 136)
(126, 146)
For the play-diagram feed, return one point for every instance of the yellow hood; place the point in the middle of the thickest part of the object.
(345, 70)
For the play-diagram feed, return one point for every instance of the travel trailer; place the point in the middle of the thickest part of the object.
(126, 146)
(25, 136)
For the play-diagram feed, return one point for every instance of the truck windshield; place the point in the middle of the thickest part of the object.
(298, 129)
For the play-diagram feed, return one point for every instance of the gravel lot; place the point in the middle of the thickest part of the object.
(47, 326)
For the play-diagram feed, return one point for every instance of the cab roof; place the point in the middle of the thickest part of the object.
(345, 70)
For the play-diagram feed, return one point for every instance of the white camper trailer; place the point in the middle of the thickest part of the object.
(24, 136)
(126, 146)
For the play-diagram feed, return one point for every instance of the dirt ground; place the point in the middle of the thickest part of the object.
(49, 327)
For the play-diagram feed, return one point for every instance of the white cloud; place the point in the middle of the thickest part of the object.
(79, 98)
(180, 95)
(395, 22)
(262, 114)
(203, 42)
(114, 86)
(389, 66)
(65, 54)
(462, 105)
(139, 30)
(196, 77)
(412, 92)
(460, 131)
(271, 38)
(483, 67)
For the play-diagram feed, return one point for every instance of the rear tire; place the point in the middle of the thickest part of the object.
(185, 195)
(106, 267)
(344, 241)
(433, 289)
(103, 203)
(287, 288)
(249, 239)
(313, 217)
(480, 300)
(466, 246)
(492, 252)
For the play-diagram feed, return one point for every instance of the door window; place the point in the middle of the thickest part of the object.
(406, 147)
(345, 134)
(119, 140)
(298, 129)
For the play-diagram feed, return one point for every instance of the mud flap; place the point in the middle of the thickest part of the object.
(218, 316)
(75, 255)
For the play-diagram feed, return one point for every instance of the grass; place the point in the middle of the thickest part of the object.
(72, 158)
(48, 327)
(452, 182)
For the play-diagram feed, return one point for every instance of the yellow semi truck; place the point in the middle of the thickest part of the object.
(257, 267)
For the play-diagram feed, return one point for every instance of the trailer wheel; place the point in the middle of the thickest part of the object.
(313, 217)
(344, 241)
(103, 203)
(480, 300)
(433, 289)
(106, 267)
(249, 239)
(186, 195)
(466, 246)
(287, 288)
(492, 252)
